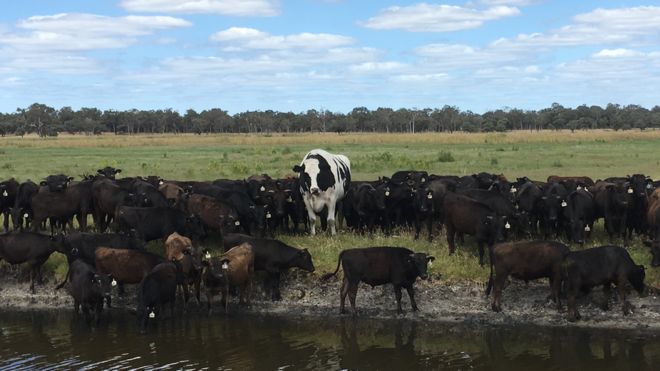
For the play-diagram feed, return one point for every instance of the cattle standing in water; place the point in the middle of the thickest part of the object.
(526, 261)
(125, 266)
(605, 265)
(33, 248)
(180, 249)
(274, 257)
(377, 266)
(157, 289)
(234, 268)
(88, 289)
(325, 178)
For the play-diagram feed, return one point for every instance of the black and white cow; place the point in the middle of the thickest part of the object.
(324, 180)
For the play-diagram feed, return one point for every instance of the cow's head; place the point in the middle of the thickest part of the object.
(655, 251)
(640, 185)
(109, 172)
(56, 183)
(315, 174)
(194, 228)
(618, 195)
(424, 200)
(420, 261)
(303, 260)
(636, 278)
(101, 284)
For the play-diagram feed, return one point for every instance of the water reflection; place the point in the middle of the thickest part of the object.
(40, 339)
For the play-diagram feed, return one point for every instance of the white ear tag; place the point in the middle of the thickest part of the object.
(237, 223)
(649, 186)
(208, 255)
(161, 182)
(430, 196)
(514, 190)
(25, 215)
(268, 216)
(225, 266)
(587, 229)
(5, 193)
(289, 199)
(630, 190)
(564, 204)
(113, 283)
(387, 193)
(262, 188)
(152, 315)
(507, 225)
(579, 188)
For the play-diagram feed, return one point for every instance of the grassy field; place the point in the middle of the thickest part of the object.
(598, 154)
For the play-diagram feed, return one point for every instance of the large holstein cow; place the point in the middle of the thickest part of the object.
(324, 180)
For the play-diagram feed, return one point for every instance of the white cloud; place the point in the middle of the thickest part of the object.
(617, 53)
(258, 8)
(373, 67)
(508, 2)
(249, 38)
(78, 32)
(425, 17)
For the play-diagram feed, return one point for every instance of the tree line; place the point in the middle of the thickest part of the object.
(48, 121)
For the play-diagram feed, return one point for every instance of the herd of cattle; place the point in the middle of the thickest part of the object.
(243, 213)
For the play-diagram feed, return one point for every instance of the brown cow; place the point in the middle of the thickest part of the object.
(180, 248)
(528, 260)
(214, 214)
(172, 193)
(125, 266)
(653, 218)
(233, 268)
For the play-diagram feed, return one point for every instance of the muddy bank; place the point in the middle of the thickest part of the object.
(439, 301)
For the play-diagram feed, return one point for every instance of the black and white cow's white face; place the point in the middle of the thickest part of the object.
(315, 174)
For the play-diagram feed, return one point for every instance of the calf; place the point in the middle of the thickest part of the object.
(466, 215)
(579, 215)
(88, 289)
(8, 192)
(157, 289)
(273, 257)
(233, 268)
(22, 213)
(585, 269)
(377, 266)
(27, 247)
(180, 249)
(526, 261)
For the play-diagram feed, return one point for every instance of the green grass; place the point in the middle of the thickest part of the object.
(598, 154)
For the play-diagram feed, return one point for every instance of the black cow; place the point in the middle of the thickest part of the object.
(579, 215)
(603, 265)
(611, 202)
(33, 248)
(157, 289)
(108, 172)
(399, 202)
(413, 179)
(527, 196)
(8, 192)
(640, 186)
(61, 206)
(88, 289)
(56, 183)
(108, 196)
(363, 206)
(151, 223)
(274, 257)
(551, 205)
(466, 215)
(500, 204)
(377, 266)
(22, 213)
(526, 261)
(146, 195)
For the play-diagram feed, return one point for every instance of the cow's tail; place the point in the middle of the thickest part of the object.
(489, 286)
(327, 276)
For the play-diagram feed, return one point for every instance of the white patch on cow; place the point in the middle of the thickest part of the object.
(5, 193)
(564, 204)
(268, 216)
(152, 315)
(429, 196)
(630, 190)
(113, 283)
(208, 255)
(237, 223)
(513, 190)
(262, 188)
(507, 225)
(587, 229)
(225, 266)
(430, 263)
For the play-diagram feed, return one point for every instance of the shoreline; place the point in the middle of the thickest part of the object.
(304, 296)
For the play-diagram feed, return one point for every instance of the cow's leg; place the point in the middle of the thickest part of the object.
(352, 294)
(6, 220)
(498, 286)
(397, 295)
(76, 306)
(555, 286)
(411, 295)
(573, 288)
(451, 232)
(342, 296)
(197, 285)
(275, 286)
(480, 244)
(429, 225)
(621, 288)
(311, 217)
(331, 219)
(607, 295)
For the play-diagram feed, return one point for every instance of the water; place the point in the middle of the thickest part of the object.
(58, 340)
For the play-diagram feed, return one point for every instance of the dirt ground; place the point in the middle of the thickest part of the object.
(439, 301)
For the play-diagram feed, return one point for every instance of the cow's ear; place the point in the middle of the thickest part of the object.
(386, 179)
(430, 258)
(299, 168)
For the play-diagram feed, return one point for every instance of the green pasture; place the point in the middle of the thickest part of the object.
(598, 154)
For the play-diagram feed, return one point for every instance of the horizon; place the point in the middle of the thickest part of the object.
(333, 55)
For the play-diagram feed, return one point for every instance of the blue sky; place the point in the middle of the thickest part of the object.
(328, 54)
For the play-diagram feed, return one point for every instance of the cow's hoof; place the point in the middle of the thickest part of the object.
(627, 308)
